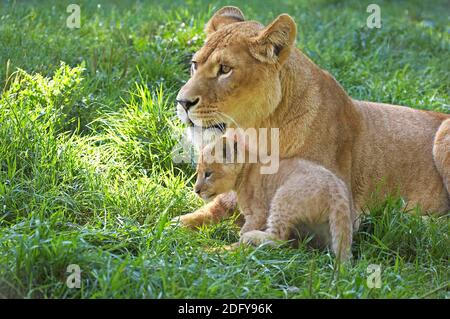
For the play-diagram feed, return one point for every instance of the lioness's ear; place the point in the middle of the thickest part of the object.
(274, 42)
(224, 16)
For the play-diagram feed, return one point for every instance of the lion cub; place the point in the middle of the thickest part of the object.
(302, 198)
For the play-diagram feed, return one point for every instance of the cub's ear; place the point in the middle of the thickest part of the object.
(224, 16)
(274, 43)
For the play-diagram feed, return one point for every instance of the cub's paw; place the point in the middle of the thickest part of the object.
(191, 220)
(256, 238)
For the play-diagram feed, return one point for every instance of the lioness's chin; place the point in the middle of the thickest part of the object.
(200, 137)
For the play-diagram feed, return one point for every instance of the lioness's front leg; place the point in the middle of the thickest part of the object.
(220, 208)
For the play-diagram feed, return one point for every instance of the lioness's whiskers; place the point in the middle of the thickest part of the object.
(227, 117)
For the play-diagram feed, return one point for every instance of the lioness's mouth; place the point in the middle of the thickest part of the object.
(220, 126)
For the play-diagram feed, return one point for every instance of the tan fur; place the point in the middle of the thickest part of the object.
(301, 197)
(374, 148)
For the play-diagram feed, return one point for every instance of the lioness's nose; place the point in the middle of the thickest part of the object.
(188, 103)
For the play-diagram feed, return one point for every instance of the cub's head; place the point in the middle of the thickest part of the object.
(235, 76)
(218, 168)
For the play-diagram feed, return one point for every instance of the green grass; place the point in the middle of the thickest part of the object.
(87, 178)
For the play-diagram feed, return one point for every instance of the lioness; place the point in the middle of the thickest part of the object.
(247, 75)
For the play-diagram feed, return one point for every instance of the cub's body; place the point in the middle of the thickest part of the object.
(300, 199)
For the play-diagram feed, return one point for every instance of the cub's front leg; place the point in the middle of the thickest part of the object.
(255, 218)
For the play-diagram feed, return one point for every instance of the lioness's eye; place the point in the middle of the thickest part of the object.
(208, 174)
(224, 69)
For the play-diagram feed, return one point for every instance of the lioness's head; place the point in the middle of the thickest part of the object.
(235, 76)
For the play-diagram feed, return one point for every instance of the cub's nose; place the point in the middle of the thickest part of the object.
(188, 103)
(197, 189)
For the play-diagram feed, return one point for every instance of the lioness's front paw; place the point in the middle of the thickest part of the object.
(256, 238)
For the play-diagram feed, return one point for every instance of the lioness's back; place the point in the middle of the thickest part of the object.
(395, 149)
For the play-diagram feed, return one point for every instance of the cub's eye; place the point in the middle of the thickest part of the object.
(208, 174)
(224, 69)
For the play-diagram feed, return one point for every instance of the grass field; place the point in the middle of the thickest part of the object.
(86, 134)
